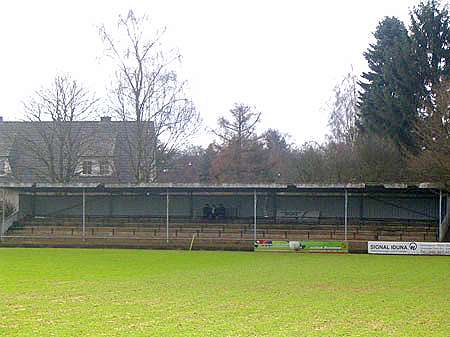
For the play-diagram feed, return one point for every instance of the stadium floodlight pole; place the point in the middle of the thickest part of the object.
(254, 214)
(346, 215)
(84, 214)
(167, 215)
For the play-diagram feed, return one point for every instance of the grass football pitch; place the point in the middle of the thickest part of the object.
(82, 292)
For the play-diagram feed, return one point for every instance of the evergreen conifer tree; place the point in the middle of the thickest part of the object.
(389, 101)
(430, 37)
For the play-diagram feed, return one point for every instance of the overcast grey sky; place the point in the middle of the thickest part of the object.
(282, 56)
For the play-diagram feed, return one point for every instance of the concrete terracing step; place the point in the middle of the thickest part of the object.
(141, 230)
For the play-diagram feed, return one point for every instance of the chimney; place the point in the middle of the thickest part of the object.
(105, 118)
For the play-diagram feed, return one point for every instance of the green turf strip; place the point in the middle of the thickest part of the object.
(81, 292)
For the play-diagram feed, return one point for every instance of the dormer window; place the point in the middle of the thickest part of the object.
(87, 168)
(5, 169)
(105, 168)
(96, 168)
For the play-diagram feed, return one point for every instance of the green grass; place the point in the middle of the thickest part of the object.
(81, 292)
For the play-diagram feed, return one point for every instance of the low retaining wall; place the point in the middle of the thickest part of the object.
(182, 244)
(357, 247)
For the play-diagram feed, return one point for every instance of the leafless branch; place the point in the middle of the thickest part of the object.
(148, 92)
(53, 137)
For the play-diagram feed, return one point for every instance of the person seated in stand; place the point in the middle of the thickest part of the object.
(220, 212)
(207, 212)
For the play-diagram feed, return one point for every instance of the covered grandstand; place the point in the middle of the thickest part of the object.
(171, 215)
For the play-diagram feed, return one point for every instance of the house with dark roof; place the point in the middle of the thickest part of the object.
(79, 151)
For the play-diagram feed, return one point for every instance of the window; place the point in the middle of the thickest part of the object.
(5, 169)
(96, 168)
(87, 167)
(104, 168)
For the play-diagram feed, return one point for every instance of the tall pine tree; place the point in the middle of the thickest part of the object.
(389, 100)
(430, 37)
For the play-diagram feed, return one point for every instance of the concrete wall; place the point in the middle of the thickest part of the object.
(368, 206)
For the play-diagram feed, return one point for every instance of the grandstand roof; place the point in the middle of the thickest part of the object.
(193, 187)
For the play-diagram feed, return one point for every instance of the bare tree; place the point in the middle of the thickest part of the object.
(310, 163)
(280, 156)
(344, 110)
(147, 90)
(241, 126)
(238, 144)
(53, 138)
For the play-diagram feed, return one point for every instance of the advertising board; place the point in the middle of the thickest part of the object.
(408, 248)
(302, 246)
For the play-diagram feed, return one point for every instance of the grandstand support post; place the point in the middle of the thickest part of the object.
(3, 213)
(255, 201)
(191, 205)
(346, 215)
(274, 207)
(110, 211)
(167, 215)
(84, 214)
(440, 229)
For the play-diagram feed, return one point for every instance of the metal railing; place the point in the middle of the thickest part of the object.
(8, 222)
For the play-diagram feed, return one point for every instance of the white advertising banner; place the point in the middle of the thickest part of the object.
(408, 248)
